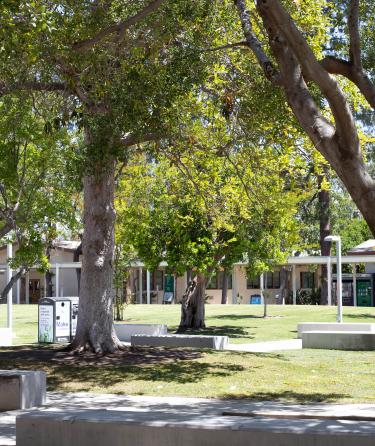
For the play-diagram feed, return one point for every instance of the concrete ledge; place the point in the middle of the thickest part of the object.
(304, 327)
(125, 331)
(6, 336)
(339, 340)
(214, 342)
(113, 428)
(21, 389)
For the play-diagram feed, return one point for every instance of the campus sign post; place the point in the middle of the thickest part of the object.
(337, 239)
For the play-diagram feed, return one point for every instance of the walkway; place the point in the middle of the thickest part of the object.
(192, 410)
(269, 346)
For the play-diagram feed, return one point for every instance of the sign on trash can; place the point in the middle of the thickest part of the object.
(54, 320)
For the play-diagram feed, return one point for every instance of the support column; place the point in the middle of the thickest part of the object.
(140, 289)
(294, 284)
(10, 294)
(354, 269)
(234, 286)
(57, 280)
(329, 281)
(148, 280)
(27, 288)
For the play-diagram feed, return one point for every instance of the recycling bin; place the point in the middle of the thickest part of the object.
(54, 320)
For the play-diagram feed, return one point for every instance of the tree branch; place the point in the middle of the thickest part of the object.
(355, 40)
(241, 44)
(345, 124)
(344, 68)
(31, 86)
(85, 45)
(132, 140)
(271, 73)
(12, 281)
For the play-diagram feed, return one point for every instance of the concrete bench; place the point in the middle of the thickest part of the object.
(21, 389)
(334, 326)
(214, 342)
(6, 336)
(153, 428)
(125, 331)
(339, 340)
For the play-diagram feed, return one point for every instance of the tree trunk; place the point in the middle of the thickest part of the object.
(19, 274)
(283, 285)
(325, 230)
(48, 274)
(297, 67)
(224, 292)
(192, 306)
(95, 330)
(76, 254)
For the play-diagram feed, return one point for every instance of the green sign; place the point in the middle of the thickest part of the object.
(364, 291)
(168, 283)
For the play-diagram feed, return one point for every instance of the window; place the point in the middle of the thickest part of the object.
(271, 281)
(253, 282)
(307, 280)
(216, 281)
(156, 280)
(212, 282)
(276, 279)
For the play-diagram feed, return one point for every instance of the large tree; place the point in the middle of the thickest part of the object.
(116, 67)
(36, 186)
(201, 212)
(294, 62)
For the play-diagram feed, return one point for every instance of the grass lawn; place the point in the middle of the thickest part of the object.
(299, 376)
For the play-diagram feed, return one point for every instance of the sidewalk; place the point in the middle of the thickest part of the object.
(269, 346)
(193, 409)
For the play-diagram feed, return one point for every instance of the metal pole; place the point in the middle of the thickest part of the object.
(10, 293)
(261, 284)
(339, 280)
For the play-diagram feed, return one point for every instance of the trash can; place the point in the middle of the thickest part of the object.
(255, 299)
(54, 320)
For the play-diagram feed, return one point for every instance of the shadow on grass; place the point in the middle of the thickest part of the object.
(359, 316)
(290, 396)
(223, 330)
(235, 316)
(104, 377)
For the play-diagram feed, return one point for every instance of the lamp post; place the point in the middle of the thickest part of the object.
(337, 239)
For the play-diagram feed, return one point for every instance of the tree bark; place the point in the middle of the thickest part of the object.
(325, 230)
(76, 254)
(48, 274)
(297, 65)
(95, 330)
(224, 291)
(192, 306)
(20, 273)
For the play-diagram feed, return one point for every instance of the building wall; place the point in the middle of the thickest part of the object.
(68, 283)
